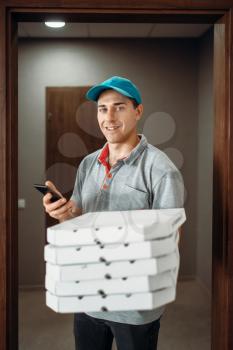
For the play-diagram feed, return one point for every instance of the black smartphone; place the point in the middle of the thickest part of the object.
(45, 189)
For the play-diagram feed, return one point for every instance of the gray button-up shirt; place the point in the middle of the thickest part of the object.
(146, 179)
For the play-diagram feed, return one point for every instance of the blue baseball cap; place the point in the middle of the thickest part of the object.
(122, 85)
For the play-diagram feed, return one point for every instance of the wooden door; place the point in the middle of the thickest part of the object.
(72, 132)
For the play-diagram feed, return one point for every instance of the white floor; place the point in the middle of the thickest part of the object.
(184, 326)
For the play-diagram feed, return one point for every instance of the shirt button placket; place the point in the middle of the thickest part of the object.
(107, 181)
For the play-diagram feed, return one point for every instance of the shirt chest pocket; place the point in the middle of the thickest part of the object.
(131, 198)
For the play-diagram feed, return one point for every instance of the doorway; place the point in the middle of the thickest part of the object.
(170, 97)
(221, 178)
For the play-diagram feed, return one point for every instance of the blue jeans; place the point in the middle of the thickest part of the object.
(96, 334)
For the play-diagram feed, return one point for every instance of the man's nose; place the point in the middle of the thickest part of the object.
(110, 113)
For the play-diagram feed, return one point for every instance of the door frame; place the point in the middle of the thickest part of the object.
(219, 13)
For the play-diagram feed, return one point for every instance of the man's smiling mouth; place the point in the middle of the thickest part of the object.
(110, 128)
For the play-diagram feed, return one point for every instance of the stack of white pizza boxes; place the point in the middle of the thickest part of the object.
(113, 261)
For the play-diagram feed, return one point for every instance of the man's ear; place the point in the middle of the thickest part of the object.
(139, 110)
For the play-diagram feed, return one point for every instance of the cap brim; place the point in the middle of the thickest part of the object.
(95, 91)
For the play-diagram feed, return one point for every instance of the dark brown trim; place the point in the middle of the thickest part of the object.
(176, 11)
(3, 188)
(229, 239)
(108, 16)
(220, 186)
(229, 231)
(119, 15)
(12, 181)
(126, 4)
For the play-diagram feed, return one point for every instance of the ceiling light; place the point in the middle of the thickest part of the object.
(55, 24)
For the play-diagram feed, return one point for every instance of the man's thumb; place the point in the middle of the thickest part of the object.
(52, 187)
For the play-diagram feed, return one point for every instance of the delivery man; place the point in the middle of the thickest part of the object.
(128, 173)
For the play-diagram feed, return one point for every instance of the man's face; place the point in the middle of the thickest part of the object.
(117, 116)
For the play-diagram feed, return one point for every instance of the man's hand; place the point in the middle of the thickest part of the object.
(61, 209)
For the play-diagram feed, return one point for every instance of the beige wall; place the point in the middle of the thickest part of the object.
(205, 160)
(165, 70)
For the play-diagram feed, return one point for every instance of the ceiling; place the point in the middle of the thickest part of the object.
(112, 30)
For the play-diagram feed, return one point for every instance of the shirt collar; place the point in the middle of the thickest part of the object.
(137, 150)
(103, 157)
(134, 154)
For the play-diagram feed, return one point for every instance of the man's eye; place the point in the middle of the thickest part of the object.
(119, 108)
(102, 110)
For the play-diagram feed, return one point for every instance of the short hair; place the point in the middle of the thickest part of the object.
(134, 102)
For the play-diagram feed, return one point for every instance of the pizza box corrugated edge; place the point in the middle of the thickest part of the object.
(137, 301)
(116, 269)
(88, 235)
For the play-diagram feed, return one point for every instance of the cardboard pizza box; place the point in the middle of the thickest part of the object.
(116, 227)
(110, 286)
(110, 252)
(117, 269)
(112, 302)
